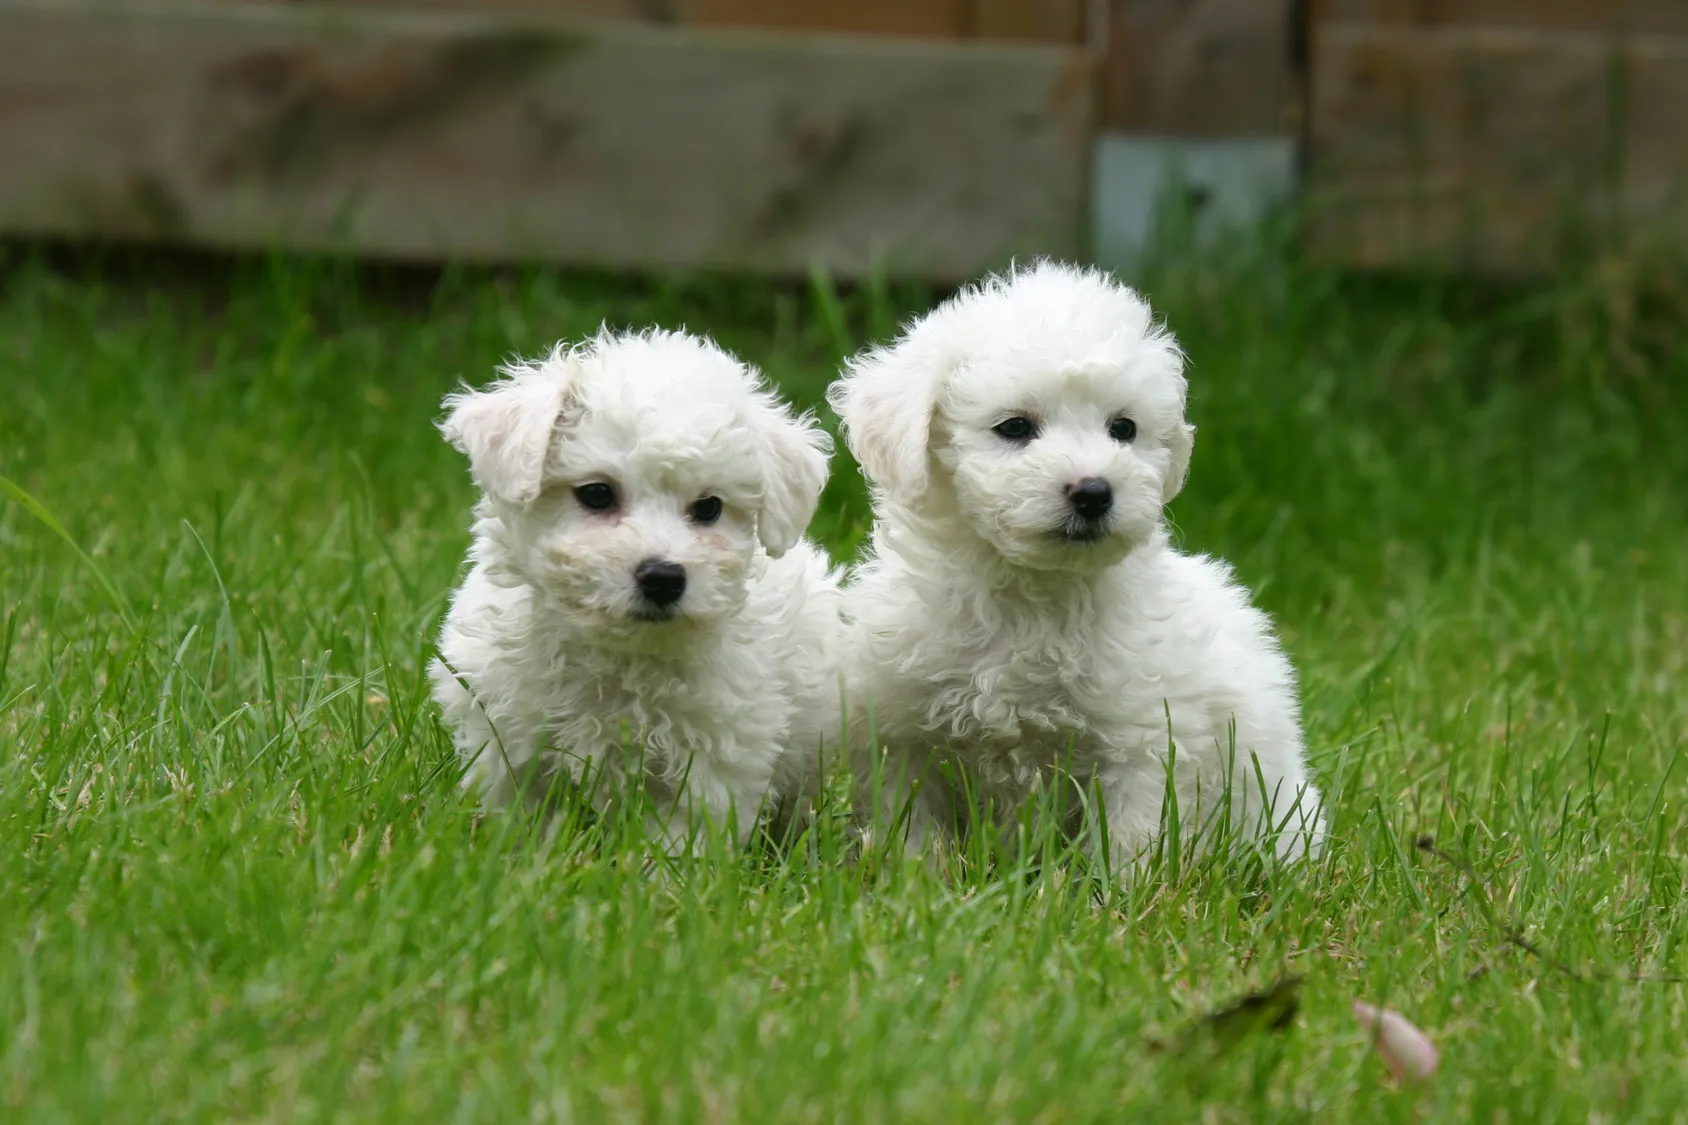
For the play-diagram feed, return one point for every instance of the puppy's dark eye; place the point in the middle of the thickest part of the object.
(1016, 429)
(705, 510)
(598, 497)
(1122, 430)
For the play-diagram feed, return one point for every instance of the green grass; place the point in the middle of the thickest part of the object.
(239, 881)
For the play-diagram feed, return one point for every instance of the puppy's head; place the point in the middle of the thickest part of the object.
(1043, 409)
(633, 477)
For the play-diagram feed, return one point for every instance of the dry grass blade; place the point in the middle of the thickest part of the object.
(1513, 933)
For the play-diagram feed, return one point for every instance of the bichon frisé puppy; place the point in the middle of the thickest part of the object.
(1021, 616)
(638, 577)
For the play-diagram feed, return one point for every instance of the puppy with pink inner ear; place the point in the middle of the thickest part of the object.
(639, 575)
(1022, 617)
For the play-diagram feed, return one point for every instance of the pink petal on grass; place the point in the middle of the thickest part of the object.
(1406, 1051)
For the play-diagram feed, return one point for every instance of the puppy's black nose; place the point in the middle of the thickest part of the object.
(1091, 497)
(660, 581)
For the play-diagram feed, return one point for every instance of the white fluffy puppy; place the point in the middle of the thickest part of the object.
(1022, 614)
(639, 579)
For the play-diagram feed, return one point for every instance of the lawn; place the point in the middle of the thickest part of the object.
(240, 881)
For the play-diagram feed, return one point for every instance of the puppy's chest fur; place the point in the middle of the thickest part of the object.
(541, 677)
(1017, 690)
(601, 702)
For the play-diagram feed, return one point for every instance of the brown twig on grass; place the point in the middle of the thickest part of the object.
(1272, 1010)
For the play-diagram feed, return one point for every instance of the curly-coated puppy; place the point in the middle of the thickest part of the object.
(1022, 615)
(640, 591)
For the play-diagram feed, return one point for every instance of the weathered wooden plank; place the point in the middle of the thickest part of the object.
(644, 11)
(1643, 16)
(435, 136)
(939, 18)
(1496, 149)
(1198, 68)
(1049, 21)
(1032, 21)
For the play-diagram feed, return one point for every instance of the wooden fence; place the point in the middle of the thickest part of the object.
(1497, 134)
(926, 137)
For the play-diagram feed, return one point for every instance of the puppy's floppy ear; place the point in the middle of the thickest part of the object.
(1180, 443)
(1180, 435)
(505, 431)
(885, 401)
(795, 456)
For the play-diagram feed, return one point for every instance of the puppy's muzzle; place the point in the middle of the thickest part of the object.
(660, 582)
(1092, 498)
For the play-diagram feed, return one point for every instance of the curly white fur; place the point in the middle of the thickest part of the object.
(998, 629)
(556, 658)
